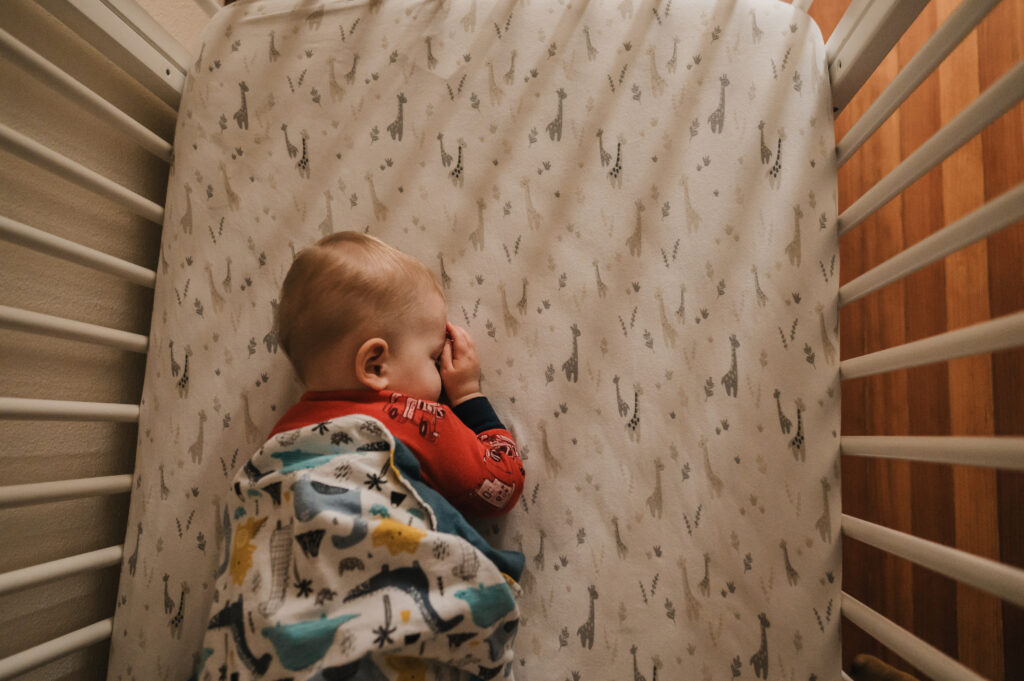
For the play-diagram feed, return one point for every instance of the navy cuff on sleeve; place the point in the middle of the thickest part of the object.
(478, 414)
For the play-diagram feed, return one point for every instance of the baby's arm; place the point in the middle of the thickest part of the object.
(491, 478)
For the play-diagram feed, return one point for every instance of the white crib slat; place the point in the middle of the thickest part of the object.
(60, 490)
(63, 410)
(991, 336)
(930, 660)
(64, 84)
(124, 33)
(49, 325)
(990, 105)
(866, 33)
(995, 215)
(1004, 581)
(61, 165)
(844, 675)
(996, 452)
(19, 233)
(961, 22)
(55, 569)
(58, 647)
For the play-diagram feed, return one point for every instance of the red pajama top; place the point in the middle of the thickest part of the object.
(465, 452)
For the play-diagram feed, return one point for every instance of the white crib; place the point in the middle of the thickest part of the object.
(52, 556)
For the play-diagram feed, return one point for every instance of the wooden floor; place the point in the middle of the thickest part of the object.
(977, 510)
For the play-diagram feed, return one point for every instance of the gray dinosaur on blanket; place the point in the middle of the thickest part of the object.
(340, 563)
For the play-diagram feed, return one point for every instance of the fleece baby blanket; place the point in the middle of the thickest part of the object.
(336, 566)
(631, 206)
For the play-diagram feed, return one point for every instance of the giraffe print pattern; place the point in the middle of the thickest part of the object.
(600, 189)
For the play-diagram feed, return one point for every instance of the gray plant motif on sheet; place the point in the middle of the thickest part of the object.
(164, 490)
(303, 163)
(635, 240)
(280, 561)
(571, 366)
(554, 128)
(693, 606)
(446, 158)
(717, 118)
(784, 423)
(396, 127)
(168, 601)
(634, 422)
(731, 378)
(705, 584)
(476, 237)
(775, 172)
(446, 280)
(186, 219)
(327, 224)
(293, 150)
(133, 559)
(195, 450)
(792, 576)
(797, 445)
(824, 522)
(654, 502)
(272, 53)
(826, 343)
(605, 157)
(793, 247)
(615, 174)
(242, 115)
(713, 479)
(179, 617)
(586, 630)
(766, 153)
(620, 547)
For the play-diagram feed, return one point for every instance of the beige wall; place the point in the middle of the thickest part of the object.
(39, 367)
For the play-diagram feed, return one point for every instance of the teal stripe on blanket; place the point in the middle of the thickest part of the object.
(451, 520)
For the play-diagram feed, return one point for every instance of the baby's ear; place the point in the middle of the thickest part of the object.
(371, 358)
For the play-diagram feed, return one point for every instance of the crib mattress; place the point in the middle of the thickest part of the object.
(631, 206)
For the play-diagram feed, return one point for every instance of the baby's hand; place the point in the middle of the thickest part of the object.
(460, 366)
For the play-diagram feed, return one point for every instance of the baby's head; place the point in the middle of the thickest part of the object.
(356, 313)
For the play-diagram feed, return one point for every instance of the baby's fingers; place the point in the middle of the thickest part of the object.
(446, 357)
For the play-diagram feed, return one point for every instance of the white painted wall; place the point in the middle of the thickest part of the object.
(39, 367)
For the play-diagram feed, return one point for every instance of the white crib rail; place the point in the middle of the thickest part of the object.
(1006, 332)
(136, 43)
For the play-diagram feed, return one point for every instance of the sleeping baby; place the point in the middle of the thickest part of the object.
(366, 329)
(346, 553)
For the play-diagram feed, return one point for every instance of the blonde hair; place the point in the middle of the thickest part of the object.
(340, 284)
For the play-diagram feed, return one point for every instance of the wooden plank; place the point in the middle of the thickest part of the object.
(1003, 156)
(925, 315)
(978, 615)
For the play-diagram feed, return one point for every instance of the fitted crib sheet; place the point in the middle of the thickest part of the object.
(631, 206)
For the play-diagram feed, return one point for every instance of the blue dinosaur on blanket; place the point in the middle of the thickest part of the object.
(404, 588)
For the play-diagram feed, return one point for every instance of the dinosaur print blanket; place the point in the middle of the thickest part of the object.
(339, 563)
